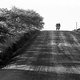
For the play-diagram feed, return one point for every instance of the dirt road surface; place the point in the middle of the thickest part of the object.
(53, 55)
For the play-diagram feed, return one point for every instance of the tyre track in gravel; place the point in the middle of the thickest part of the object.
(74, 48)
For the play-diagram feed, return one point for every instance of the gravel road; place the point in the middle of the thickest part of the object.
(53, 55)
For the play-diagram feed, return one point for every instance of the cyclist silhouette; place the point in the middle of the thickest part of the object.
(58, 26)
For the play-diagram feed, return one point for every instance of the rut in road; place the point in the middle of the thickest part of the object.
(51, 51)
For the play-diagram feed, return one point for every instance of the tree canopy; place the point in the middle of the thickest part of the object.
(20, 19)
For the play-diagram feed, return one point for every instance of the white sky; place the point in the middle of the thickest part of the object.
(67, 12)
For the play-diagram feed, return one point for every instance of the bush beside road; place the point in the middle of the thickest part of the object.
(17, 26)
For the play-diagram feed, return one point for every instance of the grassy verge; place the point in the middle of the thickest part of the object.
(17, 48)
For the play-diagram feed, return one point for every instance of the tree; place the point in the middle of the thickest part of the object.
(20, 19)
